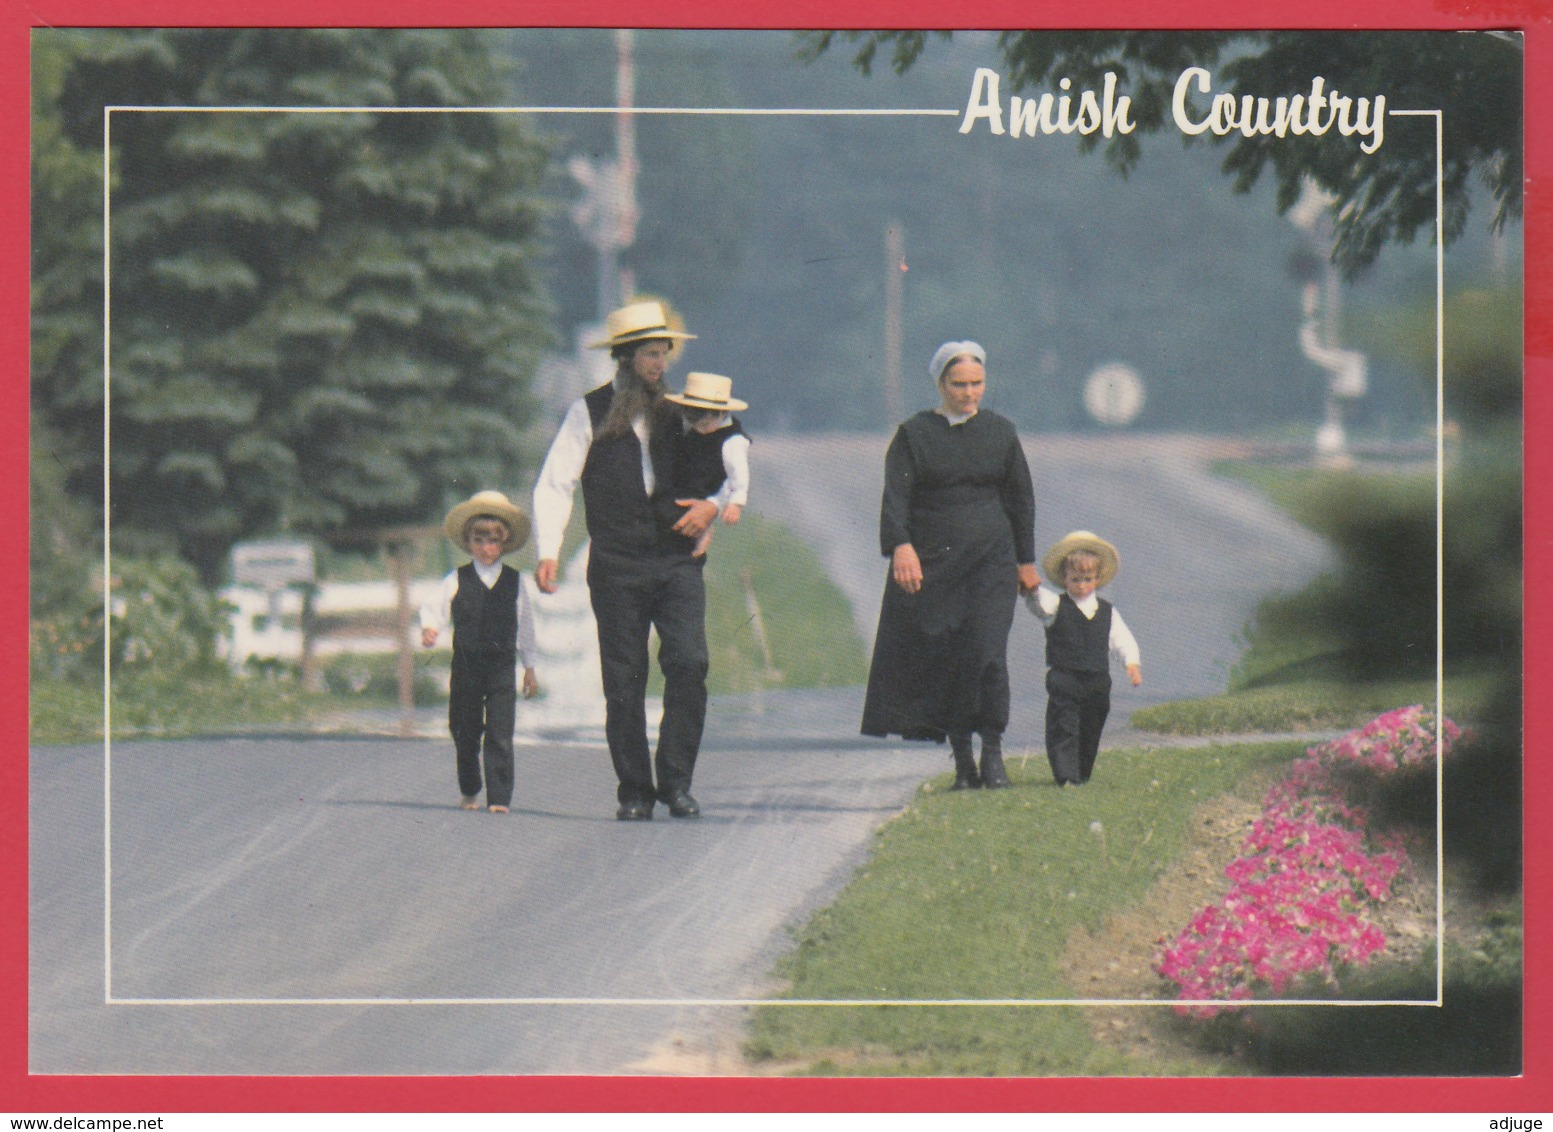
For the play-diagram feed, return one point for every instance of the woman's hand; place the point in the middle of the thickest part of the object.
(906, 568)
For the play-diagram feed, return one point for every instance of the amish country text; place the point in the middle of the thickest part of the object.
(1109, 113)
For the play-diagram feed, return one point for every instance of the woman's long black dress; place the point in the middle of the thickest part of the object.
(961, 495)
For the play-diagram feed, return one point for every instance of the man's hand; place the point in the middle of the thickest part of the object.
(698, 516)
(1028, 578)
(906, 568)
(428, 637)
(703, 542)
(530, 684)
(544, 575)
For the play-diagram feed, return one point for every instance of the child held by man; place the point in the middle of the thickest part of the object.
(714, 451)
(1083, 631)
(488, 608)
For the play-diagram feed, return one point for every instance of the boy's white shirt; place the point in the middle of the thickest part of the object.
(557, 482)
(1043, 602)
(736, 466)
(438, 613)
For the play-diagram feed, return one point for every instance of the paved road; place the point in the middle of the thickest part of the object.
(336, 876)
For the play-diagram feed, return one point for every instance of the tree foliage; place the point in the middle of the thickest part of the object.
(1386, 196)
(319, 320)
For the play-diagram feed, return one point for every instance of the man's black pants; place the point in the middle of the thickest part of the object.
(1076, 706)
(630, 596)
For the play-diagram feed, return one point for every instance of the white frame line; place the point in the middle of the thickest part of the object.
(110, 1000)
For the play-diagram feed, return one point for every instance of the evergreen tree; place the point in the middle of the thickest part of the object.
(319, 320)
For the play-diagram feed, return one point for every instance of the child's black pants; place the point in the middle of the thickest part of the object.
(1076, 706)
(482, 704)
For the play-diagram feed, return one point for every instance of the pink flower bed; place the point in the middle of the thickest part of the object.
(1306, 874)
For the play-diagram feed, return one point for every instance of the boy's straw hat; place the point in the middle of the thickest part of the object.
(639, 322)
(1051, 564)
(708, 391)
(497, 506)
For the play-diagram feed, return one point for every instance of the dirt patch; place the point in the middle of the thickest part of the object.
(1117, 962)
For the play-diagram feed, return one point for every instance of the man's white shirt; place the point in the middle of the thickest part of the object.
(562, 469)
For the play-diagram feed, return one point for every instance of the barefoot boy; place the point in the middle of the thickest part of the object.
(493, 635)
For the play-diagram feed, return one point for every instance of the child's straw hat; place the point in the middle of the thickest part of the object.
(708, 391)
(640, 321)
(497, 506)
(1051, 564)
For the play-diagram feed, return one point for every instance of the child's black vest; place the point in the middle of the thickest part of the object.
(1078, 643)
(622, 519)
(701, 470)
(485, 621)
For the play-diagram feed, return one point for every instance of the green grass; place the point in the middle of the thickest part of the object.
(167, 707)
(1324, 704)
(974, 895)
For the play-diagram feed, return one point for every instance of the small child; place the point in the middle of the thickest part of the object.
(1082, 630)
(714, 452)
(493, 634)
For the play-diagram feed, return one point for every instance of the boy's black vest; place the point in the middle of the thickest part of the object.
(622, 519)
(485, 621)
(1078, 643)
(701, 470)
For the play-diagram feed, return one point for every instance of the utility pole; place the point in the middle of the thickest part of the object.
(894, 268)
(625, 151)
(606, 213)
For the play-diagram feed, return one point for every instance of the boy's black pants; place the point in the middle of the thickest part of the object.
(482, 704)
(1076, 706)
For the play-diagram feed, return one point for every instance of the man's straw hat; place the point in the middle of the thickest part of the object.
(1051, 564)
(639, 322)
(497, 506)
(708, 391)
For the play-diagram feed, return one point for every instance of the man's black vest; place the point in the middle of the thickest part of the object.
(485, 621)
(701, 470)
(622, 519)
(1078, 643)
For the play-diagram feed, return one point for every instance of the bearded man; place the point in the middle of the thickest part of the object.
(621, 442)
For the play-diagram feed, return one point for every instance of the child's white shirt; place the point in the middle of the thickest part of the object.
(438, 612)
(736, 467)
(1043, 602)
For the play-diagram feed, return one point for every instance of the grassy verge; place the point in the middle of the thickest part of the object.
(974, 895)
(1321, 704)
(806, 620)
(72, 713)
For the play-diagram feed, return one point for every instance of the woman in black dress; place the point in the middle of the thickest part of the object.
(958, 525)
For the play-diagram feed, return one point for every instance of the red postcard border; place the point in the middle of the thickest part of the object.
(1529, 1093)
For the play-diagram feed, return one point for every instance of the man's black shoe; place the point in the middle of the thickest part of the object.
(634, 811)
(682, 805)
